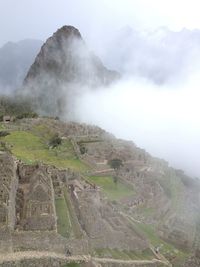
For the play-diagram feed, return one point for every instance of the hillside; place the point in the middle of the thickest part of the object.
(77, 208)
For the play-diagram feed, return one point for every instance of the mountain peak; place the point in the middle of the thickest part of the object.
(63, 67)
(67, 30)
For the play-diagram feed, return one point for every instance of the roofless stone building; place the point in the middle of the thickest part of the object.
(8, 188)
(36, 209)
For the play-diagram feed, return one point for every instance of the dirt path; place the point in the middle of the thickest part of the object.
(17, 256)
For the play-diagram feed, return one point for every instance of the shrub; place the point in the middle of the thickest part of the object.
(27, 115)
(116, 164)
(55, 141)
(83, 149)
(4, 133)
(4, 147)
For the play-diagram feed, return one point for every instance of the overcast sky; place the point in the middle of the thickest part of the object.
(39, 18)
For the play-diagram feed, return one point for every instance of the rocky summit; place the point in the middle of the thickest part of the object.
(63, 67)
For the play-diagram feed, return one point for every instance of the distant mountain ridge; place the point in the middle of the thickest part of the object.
(15, 60)
(159, 55)
(62, 68)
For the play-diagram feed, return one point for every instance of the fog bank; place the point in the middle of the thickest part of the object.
(164, 120)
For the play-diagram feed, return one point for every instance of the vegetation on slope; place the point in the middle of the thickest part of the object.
(15, 106)
(166, 249)
(72, 264)
(64, 223)
(114, 191)
(76, 229)
(32, 145)
(124, 255)
(30, 148)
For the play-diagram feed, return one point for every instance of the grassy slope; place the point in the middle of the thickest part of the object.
(67, 221)
(124, 255)
(168, 250)
(72, 264)
(73, 218)
(112, 191)
(31, 148)
(64, 223)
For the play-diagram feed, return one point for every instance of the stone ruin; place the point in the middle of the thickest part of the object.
(8, 189)
(7, 119)
(39, 186)
(35, 199)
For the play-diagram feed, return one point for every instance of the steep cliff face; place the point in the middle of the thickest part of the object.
(63, 67)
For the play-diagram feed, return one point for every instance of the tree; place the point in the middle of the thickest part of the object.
(55, 141)
(4, 133)
(115, 164)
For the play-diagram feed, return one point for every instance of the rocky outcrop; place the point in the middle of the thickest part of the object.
(63, 67)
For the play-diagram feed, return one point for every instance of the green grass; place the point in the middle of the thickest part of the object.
(2, 127)
(172, 186)
(146, 211)
(124, 255)
(31, 148)
(72, 264)
(166, 248)
(64, 224)
(74, 221)
(112, 190)
(42, 131)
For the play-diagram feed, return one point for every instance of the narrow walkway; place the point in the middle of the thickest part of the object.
(17, 256)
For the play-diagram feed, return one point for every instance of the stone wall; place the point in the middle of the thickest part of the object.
(51, 262)
(38, 207)
(105, 227)
(8, 189)
(5, 240)
(48, 241)
(44, 262)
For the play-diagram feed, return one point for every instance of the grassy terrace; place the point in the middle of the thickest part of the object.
(64, 223)
(72, 264)
(31, 148)
(168, 250)
(68, 225)
(112, 190)
(124, 255)
(74, 221)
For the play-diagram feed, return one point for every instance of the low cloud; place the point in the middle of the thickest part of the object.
(162, 119)
(156, 104)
